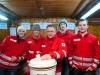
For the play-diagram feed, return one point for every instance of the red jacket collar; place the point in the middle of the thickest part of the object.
(80, 35)
(66, 32)
(37, 39)
(51, 39)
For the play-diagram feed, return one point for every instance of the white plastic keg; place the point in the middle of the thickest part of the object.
(42, 67)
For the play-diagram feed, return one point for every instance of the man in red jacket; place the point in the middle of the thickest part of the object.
(84, 54)
(66, 35)
(53, 47)
(34, 41)
(11, 50)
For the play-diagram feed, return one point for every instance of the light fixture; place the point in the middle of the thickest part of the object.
(3, 17)
(91, 11)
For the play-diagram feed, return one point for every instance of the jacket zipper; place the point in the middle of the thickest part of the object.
(82, 50)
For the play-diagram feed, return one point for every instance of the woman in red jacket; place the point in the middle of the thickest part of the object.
(11, 50)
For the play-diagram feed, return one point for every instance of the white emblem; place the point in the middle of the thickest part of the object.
(29, 41)
(76, 39)
(63, 44)
(43, 45)
(31, 52)
(13, 40)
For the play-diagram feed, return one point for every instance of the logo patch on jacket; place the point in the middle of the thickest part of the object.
(13, 40)
(63, 44)
(31, 52)
(76, 39)
(43, 45)
(29, 41)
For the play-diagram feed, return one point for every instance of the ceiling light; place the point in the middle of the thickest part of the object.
(3, 17)
(91, 11)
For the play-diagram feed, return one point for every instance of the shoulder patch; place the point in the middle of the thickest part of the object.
(29, 41)
(43, 45)
(13, 40)
(63, 44)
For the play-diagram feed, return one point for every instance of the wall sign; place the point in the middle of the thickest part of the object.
(71, 26)
(3, 25)
(94, 20)
(13, 31)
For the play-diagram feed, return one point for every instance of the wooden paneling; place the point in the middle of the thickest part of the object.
(52, 8)
(4, 33)
(48, 8)
(93, 28)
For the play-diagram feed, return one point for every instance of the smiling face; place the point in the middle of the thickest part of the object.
(83, 27)
(51, 32)
(21, 33)
(36, 33)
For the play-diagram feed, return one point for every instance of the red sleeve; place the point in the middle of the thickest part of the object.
(62, 52)
(3, 45)
(24, 54)
(96, 54)
(70, 52)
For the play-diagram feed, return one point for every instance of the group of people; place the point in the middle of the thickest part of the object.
(77, 53)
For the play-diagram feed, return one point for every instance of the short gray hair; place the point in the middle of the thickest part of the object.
(51, 25)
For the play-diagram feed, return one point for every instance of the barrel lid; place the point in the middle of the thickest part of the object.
(38, 63)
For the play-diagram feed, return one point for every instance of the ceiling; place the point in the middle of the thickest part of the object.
(16, 9)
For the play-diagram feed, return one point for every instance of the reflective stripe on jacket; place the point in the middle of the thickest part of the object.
(56, 48)
(84, 51)
(34, 46)
(10, 47)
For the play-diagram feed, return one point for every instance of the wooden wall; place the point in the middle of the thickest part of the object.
(93, 28)
(4, 33)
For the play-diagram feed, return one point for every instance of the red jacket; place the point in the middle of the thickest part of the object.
(66, 37)
(56, 48)
(34, 46)
(84, 51)
(10, 47)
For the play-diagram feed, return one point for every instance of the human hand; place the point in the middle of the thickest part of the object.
(38, 52)
(89, 69)
(74, 67)
(13, 58)
(46, 57)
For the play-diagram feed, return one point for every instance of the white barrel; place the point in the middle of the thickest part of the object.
(42, 67)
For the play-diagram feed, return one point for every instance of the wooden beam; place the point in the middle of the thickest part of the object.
(87, 7)
(39, 4)
(79, 8)
(9, 12)
(82, 7)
